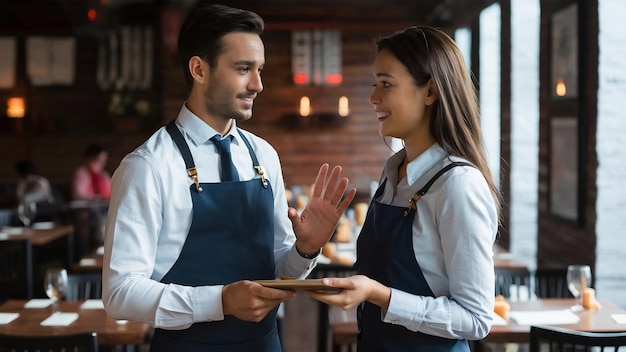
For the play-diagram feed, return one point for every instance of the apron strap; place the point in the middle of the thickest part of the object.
(255, 162)
(179, 140)
(430, 182)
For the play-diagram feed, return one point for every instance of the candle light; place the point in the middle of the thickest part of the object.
(589, 297)
(501, 307)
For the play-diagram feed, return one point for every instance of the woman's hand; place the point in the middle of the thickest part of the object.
(318, 220)
(355, 289)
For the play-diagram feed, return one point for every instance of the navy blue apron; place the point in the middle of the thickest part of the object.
(231, 238)
(385, 254)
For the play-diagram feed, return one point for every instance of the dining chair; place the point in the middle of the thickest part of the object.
(553, 339)
(7, 216)
(88, 285)
(513, 283)
(82, 286)
(15, 269)
(551, 283)
(83, 342)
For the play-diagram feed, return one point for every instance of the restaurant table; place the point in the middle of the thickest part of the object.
(590, 320)
(88, 263)
(110, 332)
(40, 243)
(502, 259)
(41, 237)
(506, 260)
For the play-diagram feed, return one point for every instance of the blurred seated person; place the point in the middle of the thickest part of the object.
(32, 187)
(91, 181)
(35, 188)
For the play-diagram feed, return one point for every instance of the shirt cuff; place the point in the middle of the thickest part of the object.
(298, 266)
(404, 309)
(207, 303)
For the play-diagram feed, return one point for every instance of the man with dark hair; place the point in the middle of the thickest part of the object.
(198, 212)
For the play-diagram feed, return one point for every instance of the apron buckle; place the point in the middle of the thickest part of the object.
(261, 171)
(193, 173)
(413, 202)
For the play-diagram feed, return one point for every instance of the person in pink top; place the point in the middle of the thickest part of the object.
(91, 181)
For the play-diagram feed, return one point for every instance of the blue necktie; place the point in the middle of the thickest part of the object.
(229, 172)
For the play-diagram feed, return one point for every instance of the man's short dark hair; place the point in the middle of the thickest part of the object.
(206, 23)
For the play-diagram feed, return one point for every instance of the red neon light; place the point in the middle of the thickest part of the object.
(334, 78)
(301, 78)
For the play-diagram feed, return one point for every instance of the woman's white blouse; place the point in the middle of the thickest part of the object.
(454, 231)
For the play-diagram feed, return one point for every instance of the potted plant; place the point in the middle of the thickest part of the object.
(128, 111)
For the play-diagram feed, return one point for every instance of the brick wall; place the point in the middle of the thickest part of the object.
(611, 135)
(75, 116)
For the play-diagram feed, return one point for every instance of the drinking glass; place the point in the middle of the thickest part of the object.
(27, 211)
(578, 278)
(55, 284)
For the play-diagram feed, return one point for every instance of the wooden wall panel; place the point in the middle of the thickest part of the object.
(562, 242)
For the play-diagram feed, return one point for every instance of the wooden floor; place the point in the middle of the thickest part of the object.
(300, 325)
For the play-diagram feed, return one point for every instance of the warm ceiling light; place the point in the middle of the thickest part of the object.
(16, 108)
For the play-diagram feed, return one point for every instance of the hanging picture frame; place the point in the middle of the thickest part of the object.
(564, 53)
(564, 169)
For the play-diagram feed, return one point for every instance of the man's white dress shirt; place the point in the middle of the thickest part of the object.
(150, 215)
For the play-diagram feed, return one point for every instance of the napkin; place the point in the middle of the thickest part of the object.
(38, 303)
(6, 318)
(87, 262)
(92, 304)
(13, 230)
(619, 318)
(44, 225)
(60, 319)
(544, 317)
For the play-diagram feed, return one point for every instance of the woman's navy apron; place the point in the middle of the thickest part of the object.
(231, 238)
(385, 254)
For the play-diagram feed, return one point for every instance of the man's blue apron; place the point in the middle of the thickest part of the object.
(385, 254)
(231, 238)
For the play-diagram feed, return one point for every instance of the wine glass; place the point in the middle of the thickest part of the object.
(55, 284)
(578, 278)
(27, 211)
